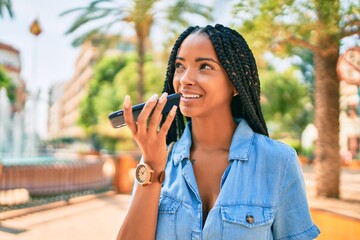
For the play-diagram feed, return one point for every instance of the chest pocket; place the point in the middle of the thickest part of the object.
(247, 222)
(166, 225)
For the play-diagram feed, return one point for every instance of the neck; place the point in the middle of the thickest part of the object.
(213, 134)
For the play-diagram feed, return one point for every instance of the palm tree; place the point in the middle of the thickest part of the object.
(6, 4)
(319, 26)
(140, 15)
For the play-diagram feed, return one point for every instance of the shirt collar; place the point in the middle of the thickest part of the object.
(239, 147)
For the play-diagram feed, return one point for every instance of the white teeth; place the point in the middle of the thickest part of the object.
(191, 95)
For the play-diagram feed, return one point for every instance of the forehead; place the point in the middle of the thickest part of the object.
(197, 45)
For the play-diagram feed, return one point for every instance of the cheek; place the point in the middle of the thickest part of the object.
(176, 83)
(228, 86)
(222, 85)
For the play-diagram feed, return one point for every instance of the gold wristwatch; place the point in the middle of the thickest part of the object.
(144, 174)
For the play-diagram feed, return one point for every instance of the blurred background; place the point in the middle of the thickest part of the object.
(65, 65)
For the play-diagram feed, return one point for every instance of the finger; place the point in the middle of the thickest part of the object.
(156, 114)
(128, 115)
(145, 113)
(169, 119)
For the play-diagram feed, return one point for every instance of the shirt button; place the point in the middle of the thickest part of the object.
(249, 219)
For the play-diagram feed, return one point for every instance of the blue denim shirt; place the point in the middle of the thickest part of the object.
(262, 194)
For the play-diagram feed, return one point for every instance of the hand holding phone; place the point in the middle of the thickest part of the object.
(117, 118)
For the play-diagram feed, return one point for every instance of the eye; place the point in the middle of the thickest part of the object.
(179, 67)
(205, 66)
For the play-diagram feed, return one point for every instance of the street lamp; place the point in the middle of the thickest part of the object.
(35, 30)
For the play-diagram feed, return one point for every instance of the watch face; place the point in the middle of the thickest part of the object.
(141, 173)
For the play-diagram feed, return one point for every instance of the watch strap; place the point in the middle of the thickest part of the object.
(161, 177)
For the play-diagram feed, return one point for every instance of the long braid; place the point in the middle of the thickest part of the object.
(240, 66)
(239, 63)
(255, 76)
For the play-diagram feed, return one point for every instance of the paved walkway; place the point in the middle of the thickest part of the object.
(349, 205)
(101, 217)
(97, 219)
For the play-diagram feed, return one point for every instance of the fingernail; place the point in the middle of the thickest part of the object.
(154, 98)
(127, 101)
(173, 110)
(163, 97)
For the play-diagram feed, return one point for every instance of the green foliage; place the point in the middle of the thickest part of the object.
(286, 104)
(306, 66)
(288, 28)
(4, 78)
(114, 77)
(11, 92)
(5, 82)
(280, 25)
(126, 79)
(293, 142)
(139, 15)
(107, 68)
(104, 74)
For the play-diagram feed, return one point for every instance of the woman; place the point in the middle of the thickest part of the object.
(224, 177)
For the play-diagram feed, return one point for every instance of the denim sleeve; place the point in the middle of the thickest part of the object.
(293, 220)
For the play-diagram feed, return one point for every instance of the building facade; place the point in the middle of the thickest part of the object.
(54, 113)
(65, 99)
(12, 134)
(65, 127)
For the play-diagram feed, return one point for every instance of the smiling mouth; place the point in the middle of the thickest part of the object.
(191, 96)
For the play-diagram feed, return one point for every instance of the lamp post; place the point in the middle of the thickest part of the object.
(35, 30)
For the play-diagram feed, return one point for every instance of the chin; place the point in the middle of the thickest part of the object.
(185, 111)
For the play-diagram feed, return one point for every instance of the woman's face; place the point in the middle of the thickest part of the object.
(200, 79)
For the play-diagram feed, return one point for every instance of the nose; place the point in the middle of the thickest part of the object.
(188, 77)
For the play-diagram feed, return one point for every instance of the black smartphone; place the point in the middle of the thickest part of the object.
(117, 118)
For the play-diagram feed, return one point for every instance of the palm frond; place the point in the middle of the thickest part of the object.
(94, 3)
(8, 5)
(91, 7)
(88, 17)
(97, 31)
(72, 10)
(176, 12)
(78, 41)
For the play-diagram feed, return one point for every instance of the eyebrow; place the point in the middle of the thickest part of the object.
(201, 59)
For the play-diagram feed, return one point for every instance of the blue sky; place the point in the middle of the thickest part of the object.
(48, 58)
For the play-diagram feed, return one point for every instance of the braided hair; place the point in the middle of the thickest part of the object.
(239, 63)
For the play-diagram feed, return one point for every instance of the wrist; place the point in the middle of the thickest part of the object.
(156, 164)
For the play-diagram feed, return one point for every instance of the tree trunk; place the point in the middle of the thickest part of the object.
(327, 157)
(141, 61)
